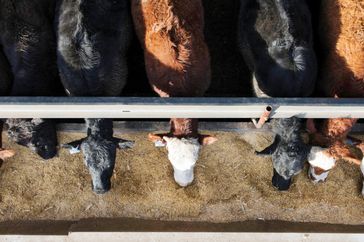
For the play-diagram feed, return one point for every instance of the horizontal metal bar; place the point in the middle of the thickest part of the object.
(155, 108)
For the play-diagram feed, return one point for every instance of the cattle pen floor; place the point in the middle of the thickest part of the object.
(232, 184)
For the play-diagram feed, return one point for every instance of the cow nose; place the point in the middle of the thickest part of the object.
(100, 191)
(311, 172)
(45, 153)
(280, 182)
(101, 188)
(316, 178)
(183, 178)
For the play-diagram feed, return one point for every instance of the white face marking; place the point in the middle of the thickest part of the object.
(317, 158)
(183, 155)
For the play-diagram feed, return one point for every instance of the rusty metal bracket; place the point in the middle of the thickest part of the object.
(263, 118)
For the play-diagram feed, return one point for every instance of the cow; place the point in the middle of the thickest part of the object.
(341, 76)
(276, 40)
(92, 44)
(178, 65)
(28, 63)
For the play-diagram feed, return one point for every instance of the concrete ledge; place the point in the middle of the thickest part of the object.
(109, 225)
(125, 229)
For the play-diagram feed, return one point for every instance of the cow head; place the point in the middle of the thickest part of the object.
(39, 135)
(183, 154)
(288, 160)
(320, 164)
(99, 157)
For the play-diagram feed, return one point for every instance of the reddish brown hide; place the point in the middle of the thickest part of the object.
(176, 55)
(342, 30)
(341, 151)
(4, 154)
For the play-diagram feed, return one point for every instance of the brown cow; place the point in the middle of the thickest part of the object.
(178, 65)
(342, 29)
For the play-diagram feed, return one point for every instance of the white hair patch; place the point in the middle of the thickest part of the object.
(183, 153)
(318, 158)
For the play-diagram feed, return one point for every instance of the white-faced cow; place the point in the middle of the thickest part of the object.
(178, 65)
(341, 76)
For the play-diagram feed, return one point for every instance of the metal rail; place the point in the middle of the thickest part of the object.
(156, 108)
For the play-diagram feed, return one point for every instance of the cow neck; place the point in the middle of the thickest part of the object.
(184, 128)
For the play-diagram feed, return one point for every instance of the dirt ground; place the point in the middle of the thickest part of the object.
(232, 184)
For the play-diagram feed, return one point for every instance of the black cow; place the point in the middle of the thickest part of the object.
(275, 38)
(93, 38)
(28, 67)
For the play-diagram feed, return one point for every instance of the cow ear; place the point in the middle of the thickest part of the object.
(158, 139)
(74, 146)
(124, 144)
(207, 139)
(6, 153)
(270, 149)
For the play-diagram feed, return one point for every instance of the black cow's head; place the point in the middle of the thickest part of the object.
(38, 134)
(288, 160)
(99, 157)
